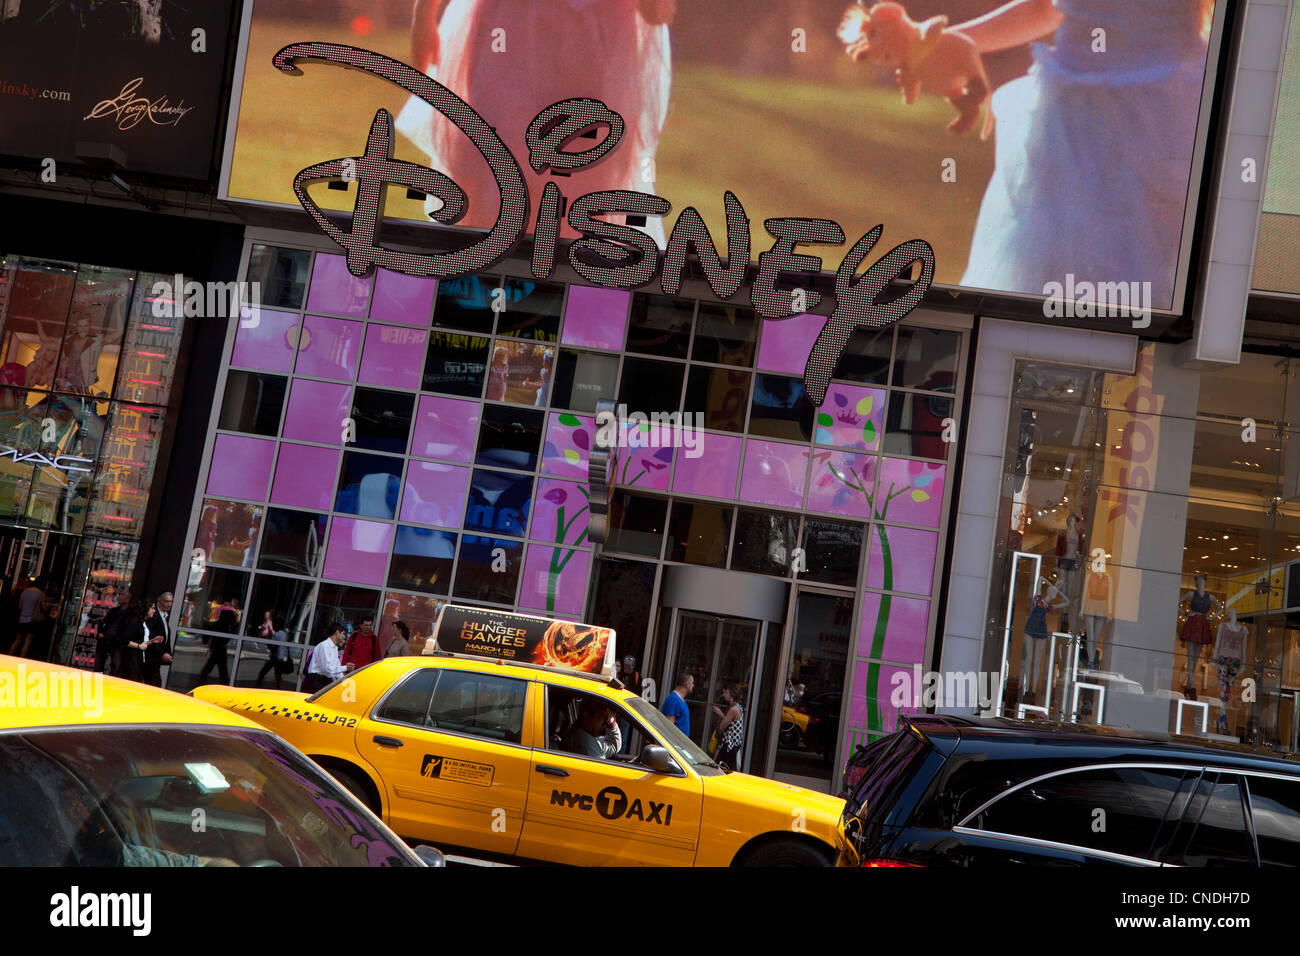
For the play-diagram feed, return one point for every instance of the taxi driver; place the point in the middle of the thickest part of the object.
(596, 734)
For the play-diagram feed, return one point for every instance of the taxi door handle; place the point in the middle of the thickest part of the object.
(551, 771)
(388, 741)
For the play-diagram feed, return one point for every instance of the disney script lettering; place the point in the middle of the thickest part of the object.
(609, 254)
(130, 110)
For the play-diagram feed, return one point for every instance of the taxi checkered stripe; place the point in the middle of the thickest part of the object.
(275, 710)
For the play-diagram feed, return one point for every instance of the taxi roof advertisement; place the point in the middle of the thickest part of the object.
(761, 100)
(524, 639)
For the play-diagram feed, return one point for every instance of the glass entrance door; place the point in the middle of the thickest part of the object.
(718, 652)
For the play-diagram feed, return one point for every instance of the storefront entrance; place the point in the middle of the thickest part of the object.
(719, 652)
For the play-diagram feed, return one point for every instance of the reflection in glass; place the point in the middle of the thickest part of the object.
(465, 303)
(583, 378)
(92, 340)
(34, 309)
(383, 419)
(721, 394)
(456, 363)
(215, 602)
(488, 569)
(780, 408)
(832, 550)
(227, 532)
(416, 612)
(814, 684)
(152, 347)
(422, 560)
(699, 533)
(294, 541)
(636, 524)
(509, 437)
(281, 274)
(765, 541)
(648, 386)
(926, 359)
(866, 359)
(914, 426)
(369, 485)
(341, 602)
(659, 325)
(289, 599)
(126, 468)
(269, 664)
(532, 310)
(252, 403)
(498, 502)
(725, 334)
(520, 373)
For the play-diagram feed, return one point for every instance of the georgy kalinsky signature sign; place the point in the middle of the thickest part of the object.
(61, 462)
(608, 254)
(129, 109)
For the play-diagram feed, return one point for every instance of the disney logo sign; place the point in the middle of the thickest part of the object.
(130, 110)
(608, 254)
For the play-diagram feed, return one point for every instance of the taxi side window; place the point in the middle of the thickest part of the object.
(564, 711)
(409, 703)
(481, 705)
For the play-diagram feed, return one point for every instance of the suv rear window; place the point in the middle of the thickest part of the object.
(882, 770)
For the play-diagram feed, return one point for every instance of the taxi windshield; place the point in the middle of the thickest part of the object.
(177, 796)
(687, 749)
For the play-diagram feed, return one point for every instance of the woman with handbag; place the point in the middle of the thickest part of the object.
(731, 729)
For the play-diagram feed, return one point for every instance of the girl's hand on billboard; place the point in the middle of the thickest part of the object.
(658, 11)
(424, 34)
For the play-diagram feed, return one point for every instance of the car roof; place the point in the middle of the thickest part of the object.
(1013, 739)
(87, 699)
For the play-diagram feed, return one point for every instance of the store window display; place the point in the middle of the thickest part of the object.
(1196, 633)
(1229, 651)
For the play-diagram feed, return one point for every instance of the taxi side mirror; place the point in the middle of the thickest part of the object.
(658, 759)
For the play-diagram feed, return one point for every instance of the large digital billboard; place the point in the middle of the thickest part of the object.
(1088, 175)
(1278, 247)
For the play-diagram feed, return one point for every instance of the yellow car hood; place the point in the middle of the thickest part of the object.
(786, 796)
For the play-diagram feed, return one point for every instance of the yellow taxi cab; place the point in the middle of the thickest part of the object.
(99, 771)
(509, 736)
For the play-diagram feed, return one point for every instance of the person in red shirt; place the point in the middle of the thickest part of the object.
(363, 647)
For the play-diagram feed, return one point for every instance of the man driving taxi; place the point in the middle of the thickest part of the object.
(596, 734)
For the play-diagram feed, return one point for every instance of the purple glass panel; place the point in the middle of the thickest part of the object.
(914, 491)
(851, 417)
(555, 580)
(394, 357)
(784, 345)
(358, 550)
(596, 318)
(645, 455)
(335, 290)
(895, 634)
(406, 300)
(445, 428)
(317, 411)
(774, 474)
(434, 494)
(328, 348)
(568, 440)
(880, 692)
(240, 467)
(305, 477)
(909, 565)
(560, 512)
(713, 471)
(267, 345)
(841, 483)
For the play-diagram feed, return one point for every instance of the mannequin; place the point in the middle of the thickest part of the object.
(1098, 592)
(1229, 650)
(1196, 632)
(1069, 557)
(1049, 597)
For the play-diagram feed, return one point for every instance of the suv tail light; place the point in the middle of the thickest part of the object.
(887, 863)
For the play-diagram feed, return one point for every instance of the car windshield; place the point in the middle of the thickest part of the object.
(177, 796)
(687, 749)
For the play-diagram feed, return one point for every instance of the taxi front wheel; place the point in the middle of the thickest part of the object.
(788, 853)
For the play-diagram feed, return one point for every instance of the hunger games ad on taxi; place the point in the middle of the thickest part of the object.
(524, 639)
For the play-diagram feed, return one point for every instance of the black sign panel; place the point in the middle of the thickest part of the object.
(138, 81)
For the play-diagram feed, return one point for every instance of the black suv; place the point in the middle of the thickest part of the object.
(954, 791)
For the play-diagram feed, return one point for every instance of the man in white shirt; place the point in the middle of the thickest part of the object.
(325, 665)
(596, 734)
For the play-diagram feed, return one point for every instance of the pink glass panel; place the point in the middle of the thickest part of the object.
(317, 411)
(555, 580)
(896, 635)
(785, 344)
(560, 508)
(358, 551)
(328, 348)
(596, 318)
(910, 564)
(713, 472)
(335, 290)
(889, 689)
(645, 455)
(917, 491)
(434, 494)
(406, 300)
(568, 441)
(240, 467)
(445, 428)
(841, 482)
(305, 477)
(774, 474)
(267, 345)
(852, 416)
(393, 356)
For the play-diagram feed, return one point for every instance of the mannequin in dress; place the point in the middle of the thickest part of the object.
(1069, 559)
(1196, 632)
(1049, 597)
(1096, 606)
(1229, 651)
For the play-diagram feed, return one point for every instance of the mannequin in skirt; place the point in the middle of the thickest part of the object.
(1196, 631)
